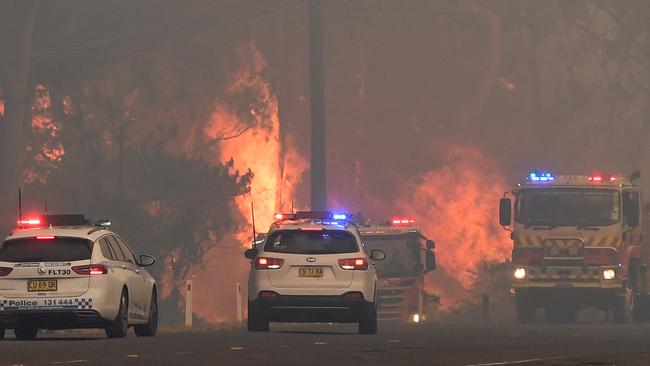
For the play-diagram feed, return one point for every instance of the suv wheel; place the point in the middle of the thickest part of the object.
(257, 320)
(25, 332)
(119, 326)
(368, 318)
(149, 329)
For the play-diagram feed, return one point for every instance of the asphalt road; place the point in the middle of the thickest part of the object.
(312, 345)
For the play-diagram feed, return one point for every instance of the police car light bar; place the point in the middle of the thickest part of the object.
(540, 177)
(29, 222)
(339, 216)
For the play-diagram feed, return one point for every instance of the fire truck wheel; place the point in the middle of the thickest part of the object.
(635, 306)
(368, 319)
(525, 308)
(620, 310)
(257, 321)
(559, 313)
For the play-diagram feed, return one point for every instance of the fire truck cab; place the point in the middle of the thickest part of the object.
(409, 256)
(577, 243)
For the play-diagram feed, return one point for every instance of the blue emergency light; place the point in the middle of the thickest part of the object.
(541, 177)
(339, 216)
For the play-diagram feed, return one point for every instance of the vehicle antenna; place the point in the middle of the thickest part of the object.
(253, 217)
(292, 210)
(45, 207)
(20, 207)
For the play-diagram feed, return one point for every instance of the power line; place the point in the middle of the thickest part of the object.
(126, 36)
(128, 51)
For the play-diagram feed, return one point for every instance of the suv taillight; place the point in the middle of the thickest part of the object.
(354, 264)
(92, 269)
(4, 271)
(268, 263)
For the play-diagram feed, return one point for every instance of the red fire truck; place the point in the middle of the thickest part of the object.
(409, 256)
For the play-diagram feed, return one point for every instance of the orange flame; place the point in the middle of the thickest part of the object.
(254, 142)
(456, 206)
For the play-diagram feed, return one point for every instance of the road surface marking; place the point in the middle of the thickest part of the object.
(514, 362)
(236, 348)
(183, 353)
(393, 341)
(320, 343)
(132, 356)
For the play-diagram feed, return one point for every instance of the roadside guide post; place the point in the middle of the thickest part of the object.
(239, 306)
(188, 304)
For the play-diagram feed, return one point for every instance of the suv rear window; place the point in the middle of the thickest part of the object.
(311, 242)
(54, 250)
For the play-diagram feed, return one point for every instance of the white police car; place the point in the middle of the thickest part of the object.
(312, 267)
(60, 272)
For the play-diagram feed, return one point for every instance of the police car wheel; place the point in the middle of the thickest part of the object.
(25, 332)
(257, 321)
(368, 319)
(149, 329)
(119, 327)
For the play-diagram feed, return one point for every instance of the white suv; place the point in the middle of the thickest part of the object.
(60, 272)
(312, 267)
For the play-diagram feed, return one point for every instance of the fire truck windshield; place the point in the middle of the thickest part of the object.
(568, 207)
(402, 254)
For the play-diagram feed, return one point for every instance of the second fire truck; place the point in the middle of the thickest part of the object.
(578, 242)
(409, 256)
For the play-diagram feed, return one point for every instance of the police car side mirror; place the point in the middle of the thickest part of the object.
(146, 260)
(430, 244)
(250, 253)
(377, 255)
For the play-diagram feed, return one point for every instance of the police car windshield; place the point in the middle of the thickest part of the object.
(568, 207)
(49, 250)
(402, 254)
(311, 242)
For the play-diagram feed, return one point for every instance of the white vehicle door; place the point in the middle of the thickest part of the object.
(138, 285)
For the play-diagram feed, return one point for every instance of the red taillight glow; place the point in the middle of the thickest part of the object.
(268, 263)
(48, 237)
(360, 264)
(91, 270)
(279, 216)
(4, 271)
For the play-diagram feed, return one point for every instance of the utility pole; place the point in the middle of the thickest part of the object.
(317, 99)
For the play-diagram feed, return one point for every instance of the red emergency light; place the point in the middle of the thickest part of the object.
(602, 178)
(29, 222)
(403, 222)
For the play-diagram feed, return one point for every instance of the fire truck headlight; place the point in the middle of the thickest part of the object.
(609, 274)
(520, 273)
(415, 318)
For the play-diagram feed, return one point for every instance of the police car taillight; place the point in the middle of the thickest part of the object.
(47, 237)
(91, 270)
(268, 263)
(4, 271)
(360, 264)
